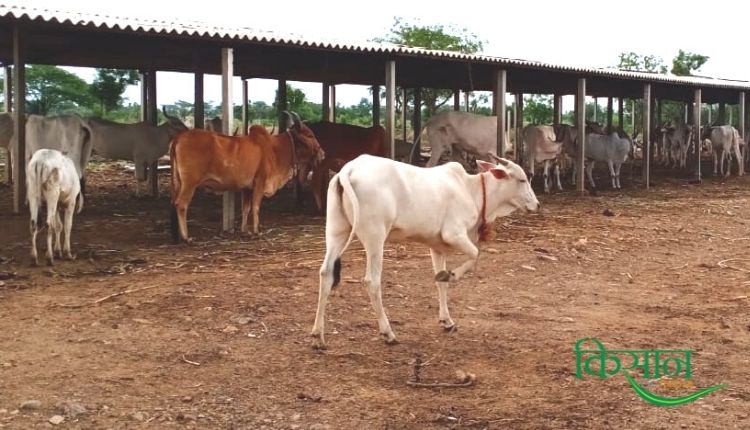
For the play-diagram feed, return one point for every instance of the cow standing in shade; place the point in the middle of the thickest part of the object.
(342, 143)
(258, 164)
(142, 143)
(377, 199)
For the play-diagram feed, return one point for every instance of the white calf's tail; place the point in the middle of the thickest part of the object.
(38, 174)
(349, 193)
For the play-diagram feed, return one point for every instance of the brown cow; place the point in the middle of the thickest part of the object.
(258, 165)
(342, 143)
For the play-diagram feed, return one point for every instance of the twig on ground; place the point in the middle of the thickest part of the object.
(194, 363)
(113, 295)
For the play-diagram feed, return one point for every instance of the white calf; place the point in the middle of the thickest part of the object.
(443, 207)
(725, 140)
(611, 149)
(52, 178)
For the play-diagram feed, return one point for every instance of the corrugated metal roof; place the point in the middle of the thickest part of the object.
(202, 30)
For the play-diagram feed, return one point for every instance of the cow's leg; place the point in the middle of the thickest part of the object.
(546, 176)
(557, 176)
(58, 232)
(317, 184)
(618, 166)
(739, 159)
(461, 243)
(575, 169)
(373, 241)
(51, 196)
(337, 233)
(436, 152)
(716, 162)
(247, 195)
(439, 266)
(68, 226)
(140, 175)
(611, 166)
(181, 203)
(34, 229)
(257, 198)
(589, 171)
(724, 155)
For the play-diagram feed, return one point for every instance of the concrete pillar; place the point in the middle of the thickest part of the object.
(227, 119)
(500, 88)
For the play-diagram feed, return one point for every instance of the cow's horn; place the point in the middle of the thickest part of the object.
(500, 160)
(296, 117)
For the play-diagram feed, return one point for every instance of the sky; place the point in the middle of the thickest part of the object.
(573, 32)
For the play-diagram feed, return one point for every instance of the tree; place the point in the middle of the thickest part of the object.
(50, 89)
(537, 109)
(687, 62)
(641, 63)
(108, 86)
(438, 37)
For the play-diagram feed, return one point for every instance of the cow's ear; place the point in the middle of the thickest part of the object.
(499, 173)
(485, 166)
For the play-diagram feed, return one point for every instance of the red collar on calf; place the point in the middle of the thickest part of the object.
(484, 230)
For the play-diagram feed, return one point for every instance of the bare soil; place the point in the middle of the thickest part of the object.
(216, 335)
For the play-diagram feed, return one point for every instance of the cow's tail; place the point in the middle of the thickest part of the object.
(415, 147)
(175, 191)
(339, 189)
(79, 202)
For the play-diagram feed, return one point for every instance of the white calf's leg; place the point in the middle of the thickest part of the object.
(589, 170)
(337, 233)
(436, 152)
(58, 232)
(716, 162)
(373, 243)
(68, 226)
(739, 159)
(557, 176)
(34, 228)
(438, 265)
(51, 196)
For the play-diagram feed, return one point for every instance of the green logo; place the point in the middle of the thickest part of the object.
(654, 363)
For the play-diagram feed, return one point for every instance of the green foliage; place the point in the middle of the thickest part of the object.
(641, 63)
(537, 109)
(440, 37)
(687, 62)
(296, 102)
(108, 86)
(52, 90)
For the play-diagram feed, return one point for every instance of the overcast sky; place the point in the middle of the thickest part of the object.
(576, 32)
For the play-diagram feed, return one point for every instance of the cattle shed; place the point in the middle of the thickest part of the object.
(35, 36)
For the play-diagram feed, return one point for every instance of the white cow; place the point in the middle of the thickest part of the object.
(475, 134)
(610, 148)
(52, 179)
(141, 143)
(725, 139)
(549, 145)
(677, 143)
(68, 134)
(443, 207)
(6, 136)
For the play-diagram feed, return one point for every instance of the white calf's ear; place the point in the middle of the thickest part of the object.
(485, 166)
(499, 173)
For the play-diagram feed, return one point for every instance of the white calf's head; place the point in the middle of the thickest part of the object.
(508, 188)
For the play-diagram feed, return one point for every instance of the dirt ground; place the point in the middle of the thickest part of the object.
(216, 335)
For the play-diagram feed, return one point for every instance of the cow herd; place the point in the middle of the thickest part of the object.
(369, 197)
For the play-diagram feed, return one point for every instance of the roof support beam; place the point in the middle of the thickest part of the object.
(647, 134)
(227, 119)
(697, 130)
(417, 114)
(581, 129)
(501, 77)
(519, 128)
(152, 118)
(326, 102)
(557, 109)
(281, 104)
(19, 122)
(390, 107)
(610, 109)
(456, 99)
(245, 108)
(8, 97)
(199, 115)
(621, 113)
(375, 105)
